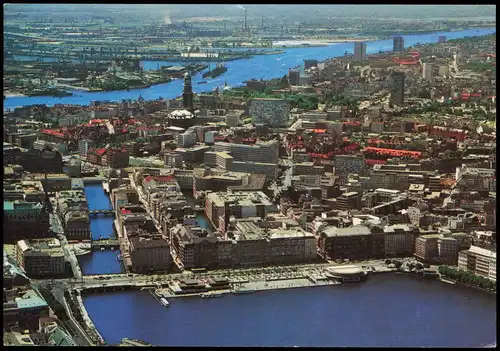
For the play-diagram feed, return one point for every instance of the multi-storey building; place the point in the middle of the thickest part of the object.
(220, 206)
(348, 201)
(39, 161)
(24, 306)
(359, 51)
(347, 164)
(429, 70)
(478, 261)
(73, 210)
(426, 247)
(216, 180)
(291, 246)
(149, 253)
(186, 139)
(398, 44)
(84, 146)
(24, 220)
(41, 258)
(399, 240)
(262, 151)
(273, 111)
(437, 248)
(354, 243)
(397, 88)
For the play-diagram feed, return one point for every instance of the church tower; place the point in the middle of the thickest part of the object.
(187, 94)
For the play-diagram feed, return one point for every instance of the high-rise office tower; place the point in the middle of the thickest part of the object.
(187, 94)
(398, 44)
(398, 88)
(359, 51)
(442, 38)
(429, 70)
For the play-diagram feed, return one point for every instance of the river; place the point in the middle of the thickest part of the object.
(260, 66)
(387, 310)
(100, 262)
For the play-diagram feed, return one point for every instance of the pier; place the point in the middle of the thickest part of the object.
(102, 212)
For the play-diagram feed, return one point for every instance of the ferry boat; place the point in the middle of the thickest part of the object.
(164, 302)
(210, 295)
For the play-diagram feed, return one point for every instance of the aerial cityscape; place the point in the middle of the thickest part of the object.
(249, 175)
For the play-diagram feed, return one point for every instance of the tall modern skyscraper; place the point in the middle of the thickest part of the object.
(398, 44)
(187, 94)
(398, 88)
(359, 51)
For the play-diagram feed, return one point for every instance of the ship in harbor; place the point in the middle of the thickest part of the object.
(164, 302)
(219, 69)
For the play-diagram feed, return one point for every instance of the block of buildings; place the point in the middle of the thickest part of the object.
(479, 261)
(24, 306)
(24, 220)
(219, 206)
(149, 254)
(273, 111)
(354, 243)
(73, 210)
(41, 258)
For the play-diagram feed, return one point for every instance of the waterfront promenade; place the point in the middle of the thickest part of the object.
(264, 278)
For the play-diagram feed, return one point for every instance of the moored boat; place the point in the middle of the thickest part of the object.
(210, 295)
(164, 302)
(244, 291)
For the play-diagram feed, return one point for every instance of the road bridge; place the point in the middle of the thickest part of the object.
(102, 212)
(105, 243)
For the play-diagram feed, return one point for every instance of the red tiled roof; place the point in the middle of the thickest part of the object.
(320, 131)
(393, 151)
(52, 132)
(375, 162)
(125, 211)
(159, 178)
(101, 152)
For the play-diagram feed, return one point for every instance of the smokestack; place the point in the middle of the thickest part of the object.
(245, 20)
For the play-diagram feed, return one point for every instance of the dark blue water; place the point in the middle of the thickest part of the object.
(203, 221)
(261, 66)
(387, 310)
(97, 198)
(100, 262)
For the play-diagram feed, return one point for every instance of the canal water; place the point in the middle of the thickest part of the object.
(100, 262)
(260, 66)
(387, 310)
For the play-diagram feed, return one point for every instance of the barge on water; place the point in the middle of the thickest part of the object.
(219, 70)
(164, 302)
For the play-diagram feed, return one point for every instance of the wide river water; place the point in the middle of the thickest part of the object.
(260, 66)
(387, 310)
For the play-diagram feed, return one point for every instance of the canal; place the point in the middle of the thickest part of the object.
(395, 310)
(100, 262)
